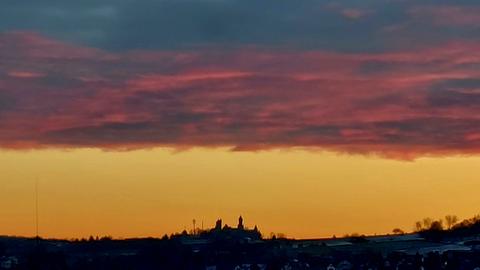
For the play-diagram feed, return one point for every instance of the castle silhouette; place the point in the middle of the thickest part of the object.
(241, 232)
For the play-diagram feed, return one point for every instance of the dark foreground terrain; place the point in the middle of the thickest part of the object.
(241, 248)
(236, 252)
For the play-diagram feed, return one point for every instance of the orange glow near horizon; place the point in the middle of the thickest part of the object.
(302, 194)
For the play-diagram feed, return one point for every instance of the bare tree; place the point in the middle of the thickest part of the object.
(427, 223)
(418, 226)
(451, 220)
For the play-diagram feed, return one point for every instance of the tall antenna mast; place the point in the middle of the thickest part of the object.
(36, 208)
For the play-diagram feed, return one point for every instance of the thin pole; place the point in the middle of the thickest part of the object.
(36, 208)
(194, 226)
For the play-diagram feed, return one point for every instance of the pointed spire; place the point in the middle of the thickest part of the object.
(240, 223)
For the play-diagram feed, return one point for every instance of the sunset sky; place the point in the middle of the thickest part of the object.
(309, 118)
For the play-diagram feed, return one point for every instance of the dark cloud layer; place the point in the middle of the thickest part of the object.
(401, 104)
(355, 26)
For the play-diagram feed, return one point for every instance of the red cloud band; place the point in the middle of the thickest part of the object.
(399, 104)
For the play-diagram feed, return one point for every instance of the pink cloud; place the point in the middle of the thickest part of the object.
(399, 104)
(24, 74)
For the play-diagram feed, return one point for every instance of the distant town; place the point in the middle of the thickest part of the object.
(455, 245)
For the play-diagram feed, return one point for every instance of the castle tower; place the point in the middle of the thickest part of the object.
(218, 225)
(240, 223)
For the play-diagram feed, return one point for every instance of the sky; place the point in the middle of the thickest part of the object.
(309, 118)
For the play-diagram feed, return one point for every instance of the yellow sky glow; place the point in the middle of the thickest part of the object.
(300, 193)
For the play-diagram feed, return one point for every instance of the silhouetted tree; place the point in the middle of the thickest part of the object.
(106, 238)
(427, 223)
(436, 225)
(435, 232)
(418, 226)
(398, 231)
(451, 220)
